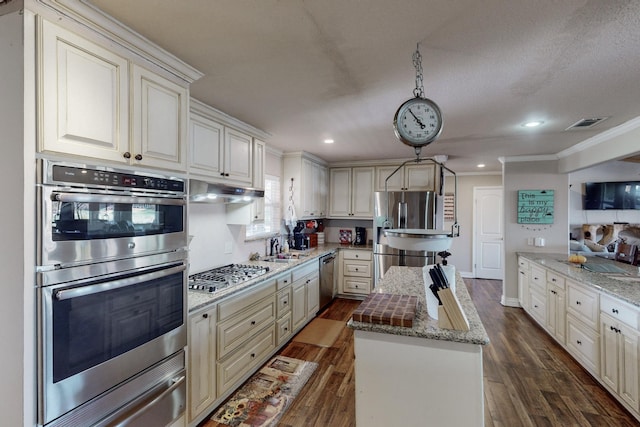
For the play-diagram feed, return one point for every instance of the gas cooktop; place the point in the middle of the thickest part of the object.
(223, 277)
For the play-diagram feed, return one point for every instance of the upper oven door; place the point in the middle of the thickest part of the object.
(81, 226)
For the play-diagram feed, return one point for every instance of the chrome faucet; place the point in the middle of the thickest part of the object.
(275, 245)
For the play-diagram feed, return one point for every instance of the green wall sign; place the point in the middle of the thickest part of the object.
(535, 206)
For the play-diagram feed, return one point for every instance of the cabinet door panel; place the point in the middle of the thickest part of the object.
(238, 159)
(159, 121)
(84, 97)
(362, 192)
(420, 177)
(202, 357)
(207, 143)
(340, 192)
(395, 183)
(313, 296)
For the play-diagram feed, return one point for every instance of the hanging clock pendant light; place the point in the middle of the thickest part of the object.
(418, 121)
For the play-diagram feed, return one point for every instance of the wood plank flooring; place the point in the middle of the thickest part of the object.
(529, 380)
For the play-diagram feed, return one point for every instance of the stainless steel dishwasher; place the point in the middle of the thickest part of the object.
(326, 279)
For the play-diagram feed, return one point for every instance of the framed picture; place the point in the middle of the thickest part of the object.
(535, 206)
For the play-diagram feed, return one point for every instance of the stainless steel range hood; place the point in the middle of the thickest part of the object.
(209, 192)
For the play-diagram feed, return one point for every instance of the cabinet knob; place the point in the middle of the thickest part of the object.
(126, 155)
(578, 303)
(206, 315)
(253, 355)
(226, 174)
(138, 157)
(614, 310)
(253, 322)
(579, 342)
(285, 302)
(221, 173)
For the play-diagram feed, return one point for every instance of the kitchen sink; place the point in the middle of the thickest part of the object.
(276, 259)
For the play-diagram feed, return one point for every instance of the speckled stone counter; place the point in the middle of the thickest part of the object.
(198, 300)
(409, 281)
(625, 287)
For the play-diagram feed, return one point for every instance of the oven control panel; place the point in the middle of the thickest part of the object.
(111, 178)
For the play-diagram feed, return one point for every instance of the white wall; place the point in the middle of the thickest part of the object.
(462, 246)
(534, 175)
(17, 334)
(609, 171)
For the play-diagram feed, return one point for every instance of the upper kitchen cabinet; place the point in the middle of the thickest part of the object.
(96, 101)
(412, 177)
(351, 192)
(309, 175)
(225, 149)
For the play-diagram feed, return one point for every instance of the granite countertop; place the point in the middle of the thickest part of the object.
(624, 286)
(197, 300)
(409, 281)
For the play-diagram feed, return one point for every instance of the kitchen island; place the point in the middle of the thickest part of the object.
(419, 375)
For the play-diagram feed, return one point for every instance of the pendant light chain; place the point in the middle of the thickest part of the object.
(418, 92)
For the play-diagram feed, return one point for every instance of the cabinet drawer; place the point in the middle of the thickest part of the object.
(357, 286)
(523, 263)
(555, 279)
(357, 268)
(283, 329)
(283, 302)
(538, 306)
(584, 344)
(538, 279)
(355, 254)
(619, 310)
(583, 304)
(283, 280)
(237, 303)
(233, 332)
(232, 370)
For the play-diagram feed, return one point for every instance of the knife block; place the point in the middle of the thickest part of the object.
(450, 314)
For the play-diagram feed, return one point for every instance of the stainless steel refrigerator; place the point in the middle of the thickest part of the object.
(401, 209)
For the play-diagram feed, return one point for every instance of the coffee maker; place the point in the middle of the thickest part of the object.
(299, 239)
(361, 236)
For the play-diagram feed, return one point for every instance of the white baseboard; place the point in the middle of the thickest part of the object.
(509, 302)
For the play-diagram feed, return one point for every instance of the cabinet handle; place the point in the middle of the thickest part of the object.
(579, 342)
(138, 157)
(286, 281)
(614, 310)
(285, 302)
(206, 315)
(612, 328)
(126, 155)
(253, 355)
(253, 322)
(578, 303)
(226, 174)
(553, 280)
(221, 173)
(286, 329)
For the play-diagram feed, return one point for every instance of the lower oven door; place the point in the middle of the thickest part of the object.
(96, 334)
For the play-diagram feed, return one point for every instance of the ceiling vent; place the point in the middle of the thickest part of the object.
(587, 123)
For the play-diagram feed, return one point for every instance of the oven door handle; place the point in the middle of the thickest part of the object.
(108, 198)
(90, 289)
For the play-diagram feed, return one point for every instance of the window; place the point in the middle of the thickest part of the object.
(272, 210)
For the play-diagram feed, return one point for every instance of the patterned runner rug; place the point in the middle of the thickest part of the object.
(264, 398)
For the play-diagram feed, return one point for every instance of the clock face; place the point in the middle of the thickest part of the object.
(418, 122)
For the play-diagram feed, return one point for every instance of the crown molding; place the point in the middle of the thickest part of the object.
(603, 137)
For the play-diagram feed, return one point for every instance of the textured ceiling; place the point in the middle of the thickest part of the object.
(304, 71)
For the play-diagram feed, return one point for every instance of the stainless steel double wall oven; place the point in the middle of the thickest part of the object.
(111, 286)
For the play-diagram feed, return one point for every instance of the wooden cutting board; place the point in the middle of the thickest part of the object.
(387, 309)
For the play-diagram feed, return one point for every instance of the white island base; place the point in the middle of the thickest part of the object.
(412, 381)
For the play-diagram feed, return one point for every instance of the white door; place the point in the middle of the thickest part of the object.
(488, 233)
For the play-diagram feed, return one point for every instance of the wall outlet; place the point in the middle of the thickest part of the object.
(228, 247)
(530, 241)
(539, 241)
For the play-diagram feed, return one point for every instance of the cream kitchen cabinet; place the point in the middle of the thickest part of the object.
(412, 177)
(523, 282)
(97, 104)
(202, 361)
(305, 294)
(355, 272)
(309, 175)
(351, 192)
(619, 349)
(218, 151)
(538, 295)
(257, 206)
(555, 304)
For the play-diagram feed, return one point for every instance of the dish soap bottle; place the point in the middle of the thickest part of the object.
(285, 246)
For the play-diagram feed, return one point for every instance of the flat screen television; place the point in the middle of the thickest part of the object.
(612, 195)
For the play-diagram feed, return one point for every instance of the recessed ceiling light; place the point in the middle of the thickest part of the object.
(532, 124)
(481, 165)
(328, 141)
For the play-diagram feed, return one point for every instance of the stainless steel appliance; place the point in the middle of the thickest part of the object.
(401, 209)
(327, 287)
(112, 302)
(361, 236)
(220, 278)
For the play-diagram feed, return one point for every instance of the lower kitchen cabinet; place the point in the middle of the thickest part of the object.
(556, 311)
(355, 268)
(583, 343)
(305, 295)
(202, 361)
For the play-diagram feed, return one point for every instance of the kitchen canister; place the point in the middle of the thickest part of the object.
(320, 238)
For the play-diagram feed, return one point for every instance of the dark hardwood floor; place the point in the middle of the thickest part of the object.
(529, 380)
